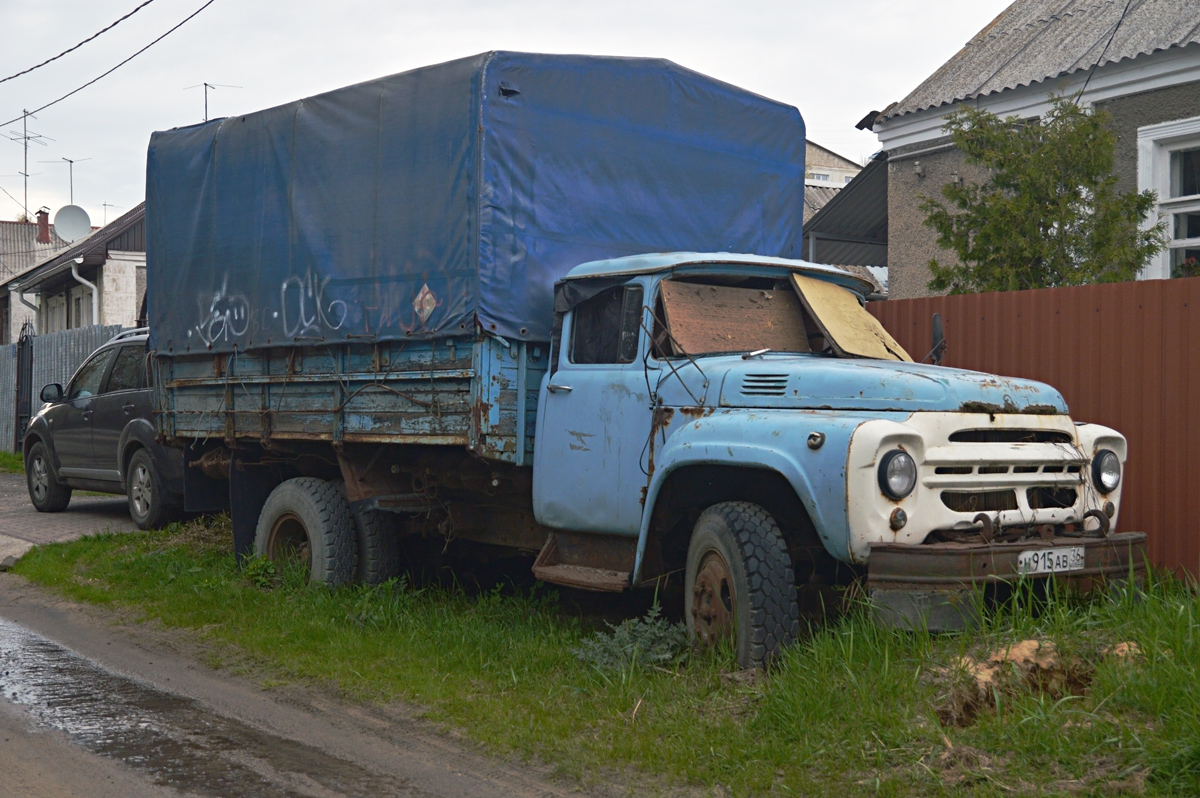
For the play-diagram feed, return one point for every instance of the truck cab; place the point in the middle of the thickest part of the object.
(744, 424)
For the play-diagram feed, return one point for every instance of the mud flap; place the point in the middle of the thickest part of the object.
(937, 586)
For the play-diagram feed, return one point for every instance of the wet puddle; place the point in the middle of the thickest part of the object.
(175, 741)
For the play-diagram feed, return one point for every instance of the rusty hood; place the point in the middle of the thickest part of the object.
(818, 382)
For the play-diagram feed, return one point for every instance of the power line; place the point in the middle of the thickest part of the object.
(1103, 52)
(118, 66)
(81, 44)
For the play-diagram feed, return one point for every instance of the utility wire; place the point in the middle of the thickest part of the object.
(14, 199)
(1103, 52)
(118, 66)
(81, 44)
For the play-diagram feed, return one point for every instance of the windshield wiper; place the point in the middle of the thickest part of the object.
(755, 353)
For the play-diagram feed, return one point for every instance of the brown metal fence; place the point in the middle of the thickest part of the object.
(1126, 355)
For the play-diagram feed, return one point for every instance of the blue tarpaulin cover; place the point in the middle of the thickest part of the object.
(428, 202)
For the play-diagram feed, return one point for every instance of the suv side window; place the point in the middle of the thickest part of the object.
(605, 328)
(126, 374)
(87, 381)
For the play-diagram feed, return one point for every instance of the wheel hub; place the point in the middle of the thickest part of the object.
(713, 607)
(289, 540)
(140, 490)
(39, 478)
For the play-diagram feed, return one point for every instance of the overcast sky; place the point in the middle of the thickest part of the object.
(835, 61)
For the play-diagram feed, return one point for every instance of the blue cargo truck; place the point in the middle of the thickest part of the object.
(491, 303)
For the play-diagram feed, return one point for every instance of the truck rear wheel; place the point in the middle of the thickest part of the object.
(308, 520)
(380, 557)
(739, 584)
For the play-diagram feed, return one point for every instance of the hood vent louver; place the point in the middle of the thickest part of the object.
(764, 384)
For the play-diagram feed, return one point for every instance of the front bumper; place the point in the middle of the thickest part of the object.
(936, 585)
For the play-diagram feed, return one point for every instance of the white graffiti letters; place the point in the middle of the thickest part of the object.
(305, 309)
(226, 316)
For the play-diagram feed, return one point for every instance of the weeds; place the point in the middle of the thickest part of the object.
(12, 463)
(649, 640)
(852, 709)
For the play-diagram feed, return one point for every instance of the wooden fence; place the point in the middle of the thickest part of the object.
(1126, 355)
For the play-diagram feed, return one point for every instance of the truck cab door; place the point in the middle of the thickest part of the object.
(594, 419)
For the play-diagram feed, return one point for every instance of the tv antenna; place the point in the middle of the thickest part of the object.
(26, 138)
(71, 172)
(106, 206)
(214, 87)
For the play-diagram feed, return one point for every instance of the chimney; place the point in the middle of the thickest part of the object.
(43, 217)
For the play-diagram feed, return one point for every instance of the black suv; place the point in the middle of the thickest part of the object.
(98, 435)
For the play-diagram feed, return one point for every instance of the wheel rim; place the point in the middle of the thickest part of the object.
(289, 540)
(39, 478)
(713, 605)
(140, 490)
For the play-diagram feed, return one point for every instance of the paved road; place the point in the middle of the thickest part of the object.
(21, 525)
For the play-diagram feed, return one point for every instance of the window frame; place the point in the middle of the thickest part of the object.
(572, 318)
(103, 353)
(1156, 144)
(113, 367)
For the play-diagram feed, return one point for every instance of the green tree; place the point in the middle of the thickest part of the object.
(1048, 215)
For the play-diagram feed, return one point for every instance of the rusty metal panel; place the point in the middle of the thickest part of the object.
(1126, 355)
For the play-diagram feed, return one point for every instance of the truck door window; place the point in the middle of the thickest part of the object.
(846, 325)
(605, 327)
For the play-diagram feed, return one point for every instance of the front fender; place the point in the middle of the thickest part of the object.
(770, 439)
(39, 431)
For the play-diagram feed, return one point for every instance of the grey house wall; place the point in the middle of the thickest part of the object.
(911, 244)
(1146, 108)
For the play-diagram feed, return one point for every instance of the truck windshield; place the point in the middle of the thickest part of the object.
(801, 314)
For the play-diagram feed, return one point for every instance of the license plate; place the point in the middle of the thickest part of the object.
(1050, 561)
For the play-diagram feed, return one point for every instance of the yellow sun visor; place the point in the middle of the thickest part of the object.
(849, 328)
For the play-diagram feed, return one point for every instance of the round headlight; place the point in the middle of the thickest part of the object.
(1106, 470)
(897, 474)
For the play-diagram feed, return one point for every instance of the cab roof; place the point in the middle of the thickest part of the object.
(656, 262)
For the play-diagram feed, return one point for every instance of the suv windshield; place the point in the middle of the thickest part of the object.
(714, 315)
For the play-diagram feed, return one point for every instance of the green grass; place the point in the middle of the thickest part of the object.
(11, 463)
(852, 710)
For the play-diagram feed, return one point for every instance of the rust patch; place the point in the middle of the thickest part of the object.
(697, 412)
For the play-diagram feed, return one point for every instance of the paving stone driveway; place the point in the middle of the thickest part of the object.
(84, 515)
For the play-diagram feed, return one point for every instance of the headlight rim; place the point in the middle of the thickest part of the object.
(1097, 471)
(884, 463)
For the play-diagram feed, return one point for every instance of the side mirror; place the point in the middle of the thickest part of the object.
(52, 393)
(939, 341)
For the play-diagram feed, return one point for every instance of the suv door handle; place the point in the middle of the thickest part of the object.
(87, 415)
(128, 408)
(552, 388)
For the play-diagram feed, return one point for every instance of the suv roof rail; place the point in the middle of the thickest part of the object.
(129, 333)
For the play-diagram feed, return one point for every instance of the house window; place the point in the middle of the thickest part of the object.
(819, 176)
(848, 178)
(1169, 164)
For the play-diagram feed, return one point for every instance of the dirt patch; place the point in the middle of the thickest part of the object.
(972, 685)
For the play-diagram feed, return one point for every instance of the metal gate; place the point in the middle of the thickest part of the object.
(23, 377)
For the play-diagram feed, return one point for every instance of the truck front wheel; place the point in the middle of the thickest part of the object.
(309, 520)
(739, 584)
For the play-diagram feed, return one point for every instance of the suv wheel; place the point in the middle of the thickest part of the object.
(45, 491)
(148, 507)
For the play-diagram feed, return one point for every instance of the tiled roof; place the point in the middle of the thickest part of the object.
(19, 247)
(1036, 40)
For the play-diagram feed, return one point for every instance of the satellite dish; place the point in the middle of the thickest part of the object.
(72, 223)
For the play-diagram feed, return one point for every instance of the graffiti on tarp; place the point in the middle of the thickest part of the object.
(304, 308)
(222, 316)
